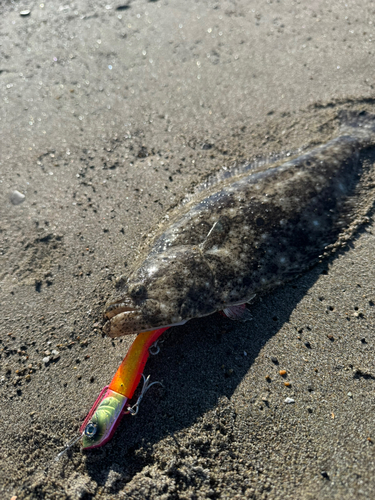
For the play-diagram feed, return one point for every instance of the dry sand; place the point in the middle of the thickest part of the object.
(109, 115)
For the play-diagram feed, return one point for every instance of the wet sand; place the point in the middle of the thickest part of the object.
(110, 114)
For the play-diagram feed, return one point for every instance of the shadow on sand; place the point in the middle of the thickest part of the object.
(190, 366)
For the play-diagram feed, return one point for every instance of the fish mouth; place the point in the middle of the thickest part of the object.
(122, 317)
(118, 308)
(121, 324)
(122, 320)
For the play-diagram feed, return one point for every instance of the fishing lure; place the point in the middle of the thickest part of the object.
(113, 401)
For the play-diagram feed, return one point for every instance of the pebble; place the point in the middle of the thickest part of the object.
(17, 198)
(282, 373)
(358, 314)
(289, 401)
(46, 360)
(25, 12)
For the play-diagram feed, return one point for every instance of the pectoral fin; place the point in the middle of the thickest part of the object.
(251, 299)
(238, 313)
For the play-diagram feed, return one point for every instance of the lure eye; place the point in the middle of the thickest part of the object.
(90, 429)
(138, 291)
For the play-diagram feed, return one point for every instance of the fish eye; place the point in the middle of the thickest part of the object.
(138, 291)
(91, 429)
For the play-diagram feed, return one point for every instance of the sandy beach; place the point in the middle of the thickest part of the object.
(110, 114)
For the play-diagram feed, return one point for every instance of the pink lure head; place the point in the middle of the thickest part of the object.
(103, 419)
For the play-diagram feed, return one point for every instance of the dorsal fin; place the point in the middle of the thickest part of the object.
(227, 173)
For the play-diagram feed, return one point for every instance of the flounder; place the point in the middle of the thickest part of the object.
(246, 234)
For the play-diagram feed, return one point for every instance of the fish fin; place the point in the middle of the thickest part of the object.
(359, 124)
(216, 234)
(228, 173)
(238, 313)
(251, 299)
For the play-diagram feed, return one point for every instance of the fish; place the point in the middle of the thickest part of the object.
(247, 233)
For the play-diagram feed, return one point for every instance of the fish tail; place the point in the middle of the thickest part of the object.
(359, 124)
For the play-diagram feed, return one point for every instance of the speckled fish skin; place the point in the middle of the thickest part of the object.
(243, 236)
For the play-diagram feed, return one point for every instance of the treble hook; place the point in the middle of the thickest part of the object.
(133, 410)
(71, 443)
(154, 346)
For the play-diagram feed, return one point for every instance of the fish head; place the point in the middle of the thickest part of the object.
(167, 289)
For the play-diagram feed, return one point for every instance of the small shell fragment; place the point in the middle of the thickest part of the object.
(289, 401)
(25, 12)
(17, 198)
